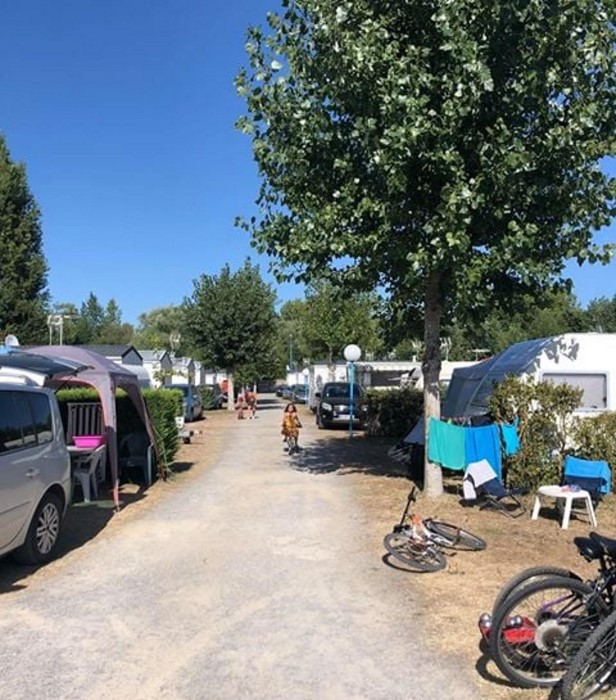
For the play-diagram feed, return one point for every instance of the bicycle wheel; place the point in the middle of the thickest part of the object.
(537, 630)
(531, 575)
(592, 668)
(454, 537)
(418, 555)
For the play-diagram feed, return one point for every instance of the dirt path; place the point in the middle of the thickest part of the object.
(253, 577)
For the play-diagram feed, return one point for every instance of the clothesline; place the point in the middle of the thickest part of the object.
(454, 446)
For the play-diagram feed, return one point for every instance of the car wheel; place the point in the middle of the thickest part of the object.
(43, 532)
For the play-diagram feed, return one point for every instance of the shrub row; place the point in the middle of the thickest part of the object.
(393, 412)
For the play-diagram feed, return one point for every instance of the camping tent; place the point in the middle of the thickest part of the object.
(582, 360)
(103, 375)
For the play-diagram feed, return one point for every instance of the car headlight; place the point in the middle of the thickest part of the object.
(327, 406)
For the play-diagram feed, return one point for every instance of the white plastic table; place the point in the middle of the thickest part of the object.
(569, 496)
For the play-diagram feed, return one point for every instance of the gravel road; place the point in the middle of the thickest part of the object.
(255, 579)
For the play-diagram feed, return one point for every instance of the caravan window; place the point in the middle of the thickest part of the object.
(593, 385)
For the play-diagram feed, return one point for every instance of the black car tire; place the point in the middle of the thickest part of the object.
(322, 424)
(43, 532)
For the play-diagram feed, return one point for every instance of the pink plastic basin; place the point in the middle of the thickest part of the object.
(88, 440)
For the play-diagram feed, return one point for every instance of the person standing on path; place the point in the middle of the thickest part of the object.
(251, 402)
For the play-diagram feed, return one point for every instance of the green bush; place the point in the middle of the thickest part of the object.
(163, 406)
(394, 412)
(544, 413)
(207, 396)
(595, 437)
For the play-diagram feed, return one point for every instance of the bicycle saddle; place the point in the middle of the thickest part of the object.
(589, 547)
(607, 543)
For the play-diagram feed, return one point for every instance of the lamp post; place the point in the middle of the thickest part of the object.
(352, 353)
(305, 375)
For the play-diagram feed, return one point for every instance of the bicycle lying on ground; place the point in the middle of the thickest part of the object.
(543, 617)
(416, 542)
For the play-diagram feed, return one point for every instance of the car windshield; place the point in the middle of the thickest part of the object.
(341, 391)
(184, 389)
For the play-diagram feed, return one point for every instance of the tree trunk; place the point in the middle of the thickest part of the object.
(431, 368)
(230, 392)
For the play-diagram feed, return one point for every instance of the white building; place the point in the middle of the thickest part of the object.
(158, 365)
(182, 370)
(583, 360)
(374, 374)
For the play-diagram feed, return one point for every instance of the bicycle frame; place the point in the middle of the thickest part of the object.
(417, 527)
(410, 499)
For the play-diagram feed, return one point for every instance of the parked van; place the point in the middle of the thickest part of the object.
(35, 473)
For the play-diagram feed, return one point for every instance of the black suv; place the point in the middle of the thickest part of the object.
(334, 405)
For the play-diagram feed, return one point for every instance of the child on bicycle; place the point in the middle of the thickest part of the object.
(291, 423)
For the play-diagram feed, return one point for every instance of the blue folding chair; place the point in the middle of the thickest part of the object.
(593, 476)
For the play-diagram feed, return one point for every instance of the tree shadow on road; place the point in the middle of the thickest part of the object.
(344, 455)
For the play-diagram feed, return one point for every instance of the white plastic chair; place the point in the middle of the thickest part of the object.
(85, 472)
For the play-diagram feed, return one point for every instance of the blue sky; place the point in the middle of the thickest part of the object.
(124, 112)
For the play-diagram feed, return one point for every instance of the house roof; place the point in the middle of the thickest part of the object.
(182, 361)
(153, 355)
(111, 350)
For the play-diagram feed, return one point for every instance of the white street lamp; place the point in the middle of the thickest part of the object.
(352, 353)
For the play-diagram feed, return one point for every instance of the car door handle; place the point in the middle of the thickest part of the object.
(31, 473)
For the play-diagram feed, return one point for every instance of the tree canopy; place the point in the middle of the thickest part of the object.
(320, 326)
(230, 322)
(23, 268)
(160, 328)
(447, 153)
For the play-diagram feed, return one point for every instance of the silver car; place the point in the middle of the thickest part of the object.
(35, 473)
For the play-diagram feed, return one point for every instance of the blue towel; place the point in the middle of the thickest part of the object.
(510, 437)
(575, 466)
(484, 443)
(446, 444)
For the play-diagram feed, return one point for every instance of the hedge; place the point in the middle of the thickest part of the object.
(394, 412)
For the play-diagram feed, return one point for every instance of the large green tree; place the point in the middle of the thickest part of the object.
(113, 330)
(601, 315)
(94, 324)
(291, 345)
(446, 151)
(160, 328)
(333, 320)
(230, 323)
(23, 268)
(318, 327)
